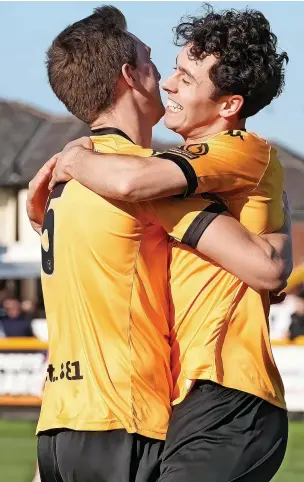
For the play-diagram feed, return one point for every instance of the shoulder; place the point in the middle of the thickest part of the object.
(240, 144)
(244, 143)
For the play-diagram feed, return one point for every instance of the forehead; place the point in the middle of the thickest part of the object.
(196, 67)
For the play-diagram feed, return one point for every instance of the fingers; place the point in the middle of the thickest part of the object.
(50, 164)
(65, 158)
(285, 198)
(52, 183)
(44, 173)
(58, 176)
(276, 299)
(286, 203)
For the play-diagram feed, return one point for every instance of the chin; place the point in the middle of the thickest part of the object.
(159, 114)
(169, 124)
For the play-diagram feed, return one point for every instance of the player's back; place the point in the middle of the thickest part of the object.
(105, 289)
(220, 331)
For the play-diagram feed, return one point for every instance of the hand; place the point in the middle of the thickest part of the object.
(276, 298)
(286, 228)
(67, 158)
(286, 205)
(38, 193)
(281, 241)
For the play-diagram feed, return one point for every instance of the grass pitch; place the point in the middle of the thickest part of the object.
(18, 453)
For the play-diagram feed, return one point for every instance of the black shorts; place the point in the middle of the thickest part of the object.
(110, 456)
(218, 434)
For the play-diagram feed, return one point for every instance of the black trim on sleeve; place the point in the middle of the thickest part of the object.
(187, 169)
(210, 196)
(200, 224)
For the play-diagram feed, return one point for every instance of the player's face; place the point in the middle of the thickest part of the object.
(148, 93)
(189, 89)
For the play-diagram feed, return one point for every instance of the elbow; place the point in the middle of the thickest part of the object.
(275, 284)
(127, 190)
(276, 278)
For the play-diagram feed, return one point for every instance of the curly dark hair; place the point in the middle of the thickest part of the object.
(84, 62)
(248, 61)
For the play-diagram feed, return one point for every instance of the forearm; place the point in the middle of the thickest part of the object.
(248, 256)
(260, 266)
(128, 178)
(105, 175)
(278, 259)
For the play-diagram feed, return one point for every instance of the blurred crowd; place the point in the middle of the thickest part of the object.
(16, 316)
(19, 318)
(287, 318)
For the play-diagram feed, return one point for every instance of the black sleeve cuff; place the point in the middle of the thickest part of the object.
(187, 169)
(200, 224)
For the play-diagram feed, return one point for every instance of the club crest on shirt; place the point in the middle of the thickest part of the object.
(200, 149)
(191, 151)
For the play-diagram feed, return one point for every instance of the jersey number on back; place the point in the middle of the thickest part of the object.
(49, 225)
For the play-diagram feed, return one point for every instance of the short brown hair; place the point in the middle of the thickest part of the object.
(84, 62)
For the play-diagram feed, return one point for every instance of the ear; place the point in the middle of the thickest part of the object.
(130, 75)
(231, 106)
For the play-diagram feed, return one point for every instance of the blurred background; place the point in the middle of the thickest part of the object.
(34, 125)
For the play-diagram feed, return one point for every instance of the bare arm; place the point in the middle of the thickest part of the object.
(221, 238)
(123, 177)
(245, 249)
(263, 262)
(250, 257)
(217, 166)
(282, 240)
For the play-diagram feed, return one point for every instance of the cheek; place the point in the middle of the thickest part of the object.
(151, 82)
(188, 99)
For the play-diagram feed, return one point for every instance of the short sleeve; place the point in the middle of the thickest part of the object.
(184, 219)
(229, 163)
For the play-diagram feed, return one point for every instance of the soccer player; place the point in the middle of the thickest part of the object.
(104, 280)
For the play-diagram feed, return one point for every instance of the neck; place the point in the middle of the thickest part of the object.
(128, 119)
(202, 133)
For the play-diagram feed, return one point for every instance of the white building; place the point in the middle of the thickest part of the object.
(28, 138)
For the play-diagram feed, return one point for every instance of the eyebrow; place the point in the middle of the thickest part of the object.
(185, 71)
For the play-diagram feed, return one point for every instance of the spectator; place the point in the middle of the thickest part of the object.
(29, 309)
(3, 296)
(14, 323)
(3, 314)
(297, 318)
(280, 318)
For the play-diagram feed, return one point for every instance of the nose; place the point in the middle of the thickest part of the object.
(158, 76)
(170, 85)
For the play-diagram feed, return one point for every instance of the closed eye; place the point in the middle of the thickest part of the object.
(183, 80)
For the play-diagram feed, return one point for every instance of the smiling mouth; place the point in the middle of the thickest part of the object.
(174, 106)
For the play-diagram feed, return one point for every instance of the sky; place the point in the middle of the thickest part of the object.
(28, 28)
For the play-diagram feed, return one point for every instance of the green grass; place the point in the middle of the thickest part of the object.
(18, 453)
(292, 469)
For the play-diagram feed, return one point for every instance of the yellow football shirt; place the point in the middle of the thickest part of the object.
(220, 329)
(105, 286)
